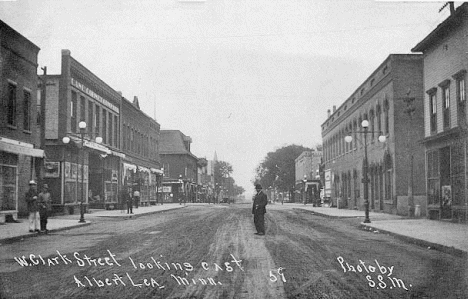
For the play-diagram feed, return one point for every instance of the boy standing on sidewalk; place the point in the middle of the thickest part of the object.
(31, 200)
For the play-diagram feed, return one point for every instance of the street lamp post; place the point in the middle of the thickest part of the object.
(181, 182)
(66, 140)
(365, 178)
(161, 179)
(304, 181)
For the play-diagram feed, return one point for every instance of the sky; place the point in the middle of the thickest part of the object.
(242, 78)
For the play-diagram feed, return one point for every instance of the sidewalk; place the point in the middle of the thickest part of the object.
(18, 231)
(444, 236)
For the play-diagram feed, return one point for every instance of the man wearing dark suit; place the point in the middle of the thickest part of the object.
(259, 210)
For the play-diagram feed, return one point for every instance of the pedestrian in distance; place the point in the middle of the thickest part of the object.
(129, 200)
(260, 201)
(33, 209)
(45, 207)
(136, 198)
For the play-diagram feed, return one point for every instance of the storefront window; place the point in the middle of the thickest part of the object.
(8, 187)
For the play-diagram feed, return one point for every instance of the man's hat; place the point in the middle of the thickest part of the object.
(45, 186)
(258, 186)
(32, 182)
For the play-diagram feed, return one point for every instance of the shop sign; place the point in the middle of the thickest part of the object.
(94, 95)
(165, 189)
(51, 169)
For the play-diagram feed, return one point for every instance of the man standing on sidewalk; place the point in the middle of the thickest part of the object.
(31, 200)
(259, 210)
(44, 203)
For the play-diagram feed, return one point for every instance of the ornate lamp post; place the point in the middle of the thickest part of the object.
(66, 140)
(365, 177)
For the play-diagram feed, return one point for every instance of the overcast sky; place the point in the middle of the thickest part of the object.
(240, 77)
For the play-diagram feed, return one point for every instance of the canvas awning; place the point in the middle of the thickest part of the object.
(21, 149)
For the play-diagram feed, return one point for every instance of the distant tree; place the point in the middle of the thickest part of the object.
(278, 168)
(222, 176)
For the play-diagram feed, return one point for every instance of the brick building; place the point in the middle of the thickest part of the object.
(381, 100)
(445, 115)
(140, 145)
(307, 175)
(19, 149)
(82, 164)
(180, 166)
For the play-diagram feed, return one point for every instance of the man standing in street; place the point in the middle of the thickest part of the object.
(31, 200)
(259, 209)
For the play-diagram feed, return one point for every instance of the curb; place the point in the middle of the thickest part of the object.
(131, 216)
(423, 243)
(326, 215)
(32, 235)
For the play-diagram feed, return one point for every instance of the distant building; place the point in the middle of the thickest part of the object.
(140, 145)
(380, 100)
(20, 155)
(180, 166)
(445, 116)
(307, 175)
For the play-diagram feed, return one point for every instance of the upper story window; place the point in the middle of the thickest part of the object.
(461, 96)
(11, 106)
(82, 108)
(445, 85)
(26, 110)
(433, 109)
(73, 112)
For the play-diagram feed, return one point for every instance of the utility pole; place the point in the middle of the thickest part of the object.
(410, 110)
(42, 120)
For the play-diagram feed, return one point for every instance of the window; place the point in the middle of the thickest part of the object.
(73, 112)
(97, 120)
(11, 117)
(104, 125)
(27, 110)
(446, 112)
(90, 117)
(433, 110)
(379, 118)
(387, 112)
(111, 128)
(82, 108)
(116, 131)
(461, 98)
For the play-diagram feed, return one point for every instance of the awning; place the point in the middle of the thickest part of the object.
(20, 149)
(118, 154)
(96, 146)
(141, 168)
(130, 167)
(159, 171)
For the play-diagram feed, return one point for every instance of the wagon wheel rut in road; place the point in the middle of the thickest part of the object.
(236, 236)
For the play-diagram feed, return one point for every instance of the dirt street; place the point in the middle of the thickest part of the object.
(211, 252)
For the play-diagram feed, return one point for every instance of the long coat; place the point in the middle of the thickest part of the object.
(259, 204)
(31, 200)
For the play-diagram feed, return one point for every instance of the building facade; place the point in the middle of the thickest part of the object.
(19, 150)
(140, 144)
(82, 137)
(392, 103)
(307, 176)
(445, 116)
(180, 167)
